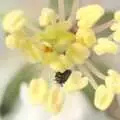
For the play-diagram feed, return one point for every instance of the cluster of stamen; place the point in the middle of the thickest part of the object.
(63, 44)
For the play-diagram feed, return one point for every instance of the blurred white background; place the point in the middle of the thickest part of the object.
(11, 61)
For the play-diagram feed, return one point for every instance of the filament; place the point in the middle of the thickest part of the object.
(94, 70)
(90, 77)
(102, 27)
(61, 8)
(75, 6)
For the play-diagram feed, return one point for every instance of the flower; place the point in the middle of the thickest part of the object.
(62, 44)
(103, 97)
(55, 45)
(14, 21)
(87, 16)
(104, 45)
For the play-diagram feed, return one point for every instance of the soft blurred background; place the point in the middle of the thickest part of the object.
(13, 66)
